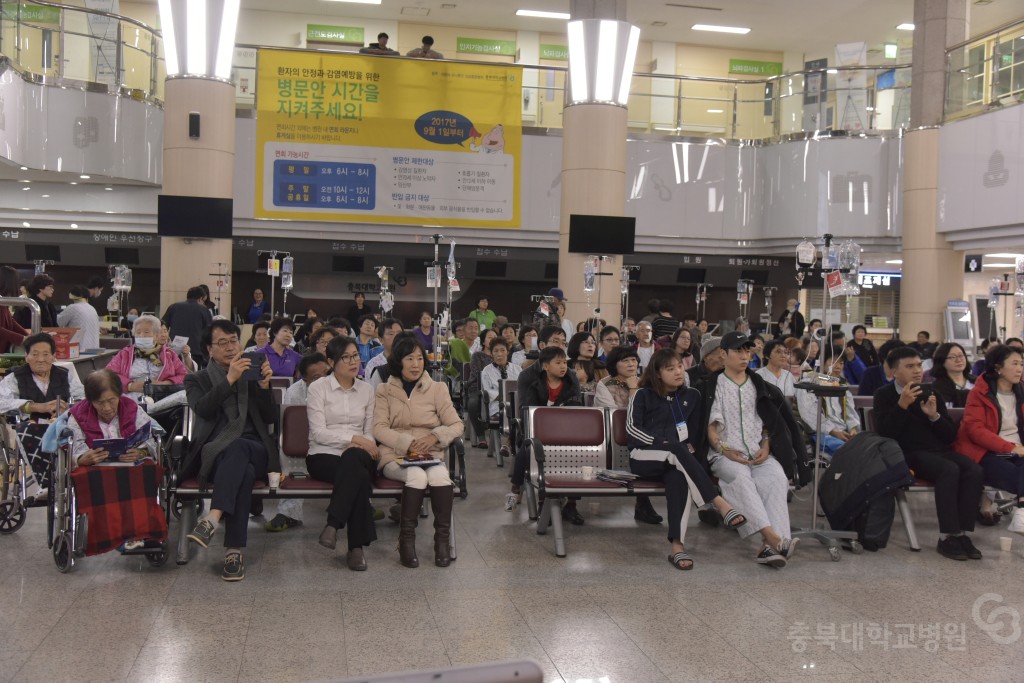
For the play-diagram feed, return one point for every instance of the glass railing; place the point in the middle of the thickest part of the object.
(79, 47)
(985, 72)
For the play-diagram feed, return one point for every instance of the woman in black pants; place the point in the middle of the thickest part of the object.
(663, 422)
(342, 450)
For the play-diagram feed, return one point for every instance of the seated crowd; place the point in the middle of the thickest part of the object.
(715, 419)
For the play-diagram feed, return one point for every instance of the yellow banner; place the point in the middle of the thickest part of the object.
(383, 140)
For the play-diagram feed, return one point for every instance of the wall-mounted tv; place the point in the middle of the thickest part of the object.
(601, 235)
(201, 217)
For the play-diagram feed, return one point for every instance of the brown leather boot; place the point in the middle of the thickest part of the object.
(412, 501)
(441, 498)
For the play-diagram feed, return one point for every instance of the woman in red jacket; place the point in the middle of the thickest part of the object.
(992, 430)
(11, 333)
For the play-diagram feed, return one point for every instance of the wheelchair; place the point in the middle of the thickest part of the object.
(67, 530)
(16, 473)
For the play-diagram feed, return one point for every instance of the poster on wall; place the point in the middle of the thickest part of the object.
(359, 138)
(852, 87)
(815, 94)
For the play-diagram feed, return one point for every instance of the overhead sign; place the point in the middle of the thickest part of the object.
(555, 52)
(357, 138)
(486, 46)
(972, 263)
(324, 33)
(30, 13)
(752, 67)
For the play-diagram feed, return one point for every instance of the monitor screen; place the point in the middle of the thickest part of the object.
(42, 252)
(209, 217)
(601, 235)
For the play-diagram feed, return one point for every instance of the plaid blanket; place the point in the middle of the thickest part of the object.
(120, 503)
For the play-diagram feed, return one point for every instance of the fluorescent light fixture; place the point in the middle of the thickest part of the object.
(24, 181)
(170, 43)
(999, 265)
(720, 29)
(606, 60)
(226, 39)
(24, 168)
(26, 224)
(540, 14)
(716, 111)
(578, 66)
(85, 177)
(358, 2)
(627, 74)
(896, 262)
(25, 189)
(45, 196)
(831, 71)
(906, 26)
(73, 182)
(1003, 255)
(892, 50)
(195, 17)
(109, 189)
(74, 226)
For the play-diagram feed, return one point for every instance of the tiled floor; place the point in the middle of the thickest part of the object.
(613, 610)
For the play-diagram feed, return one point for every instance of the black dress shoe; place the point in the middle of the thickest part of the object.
(969, 549)
(645, 513)
(952, 548)
(572, 515)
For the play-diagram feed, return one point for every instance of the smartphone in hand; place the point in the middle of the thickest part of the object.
(255, 371)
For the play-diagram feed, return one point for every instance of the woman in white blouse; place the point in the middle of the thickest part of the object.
(342, 450)
(776, 368)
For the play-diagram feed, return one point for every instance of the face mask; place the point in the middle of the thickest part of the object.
(533, 343)
(131, 318)
(144, 343)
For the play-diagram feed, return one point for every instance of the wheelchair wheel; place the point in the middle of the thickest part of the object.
(177, 506)
(12, 516)
(62, 554)
(158, 558)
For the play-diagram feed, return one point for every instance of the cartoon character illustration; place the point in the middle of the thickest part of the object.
(491, 143)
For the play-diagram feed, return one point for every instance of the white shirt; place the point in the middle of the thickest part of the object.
(10, 398)
(110, 430)
(336, 414)
(518, 358)
(490, 379)
(832, 416)
(297, 394)
(645, 354)
(784, 382)
(83, 316)
(1008, 422)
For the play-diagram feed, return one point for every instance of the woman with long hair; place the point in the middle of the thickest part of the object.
(950, 376)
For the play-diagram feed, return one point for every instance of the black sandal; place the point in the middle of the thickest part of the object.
(677, 559)
(734, 519)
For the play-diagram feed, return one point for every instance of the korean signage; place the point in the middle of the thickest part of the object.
(352, 138)
(750, 67)
(869, 280)
(554, 52)
(27, 12)
(486, 46)
(323, 33)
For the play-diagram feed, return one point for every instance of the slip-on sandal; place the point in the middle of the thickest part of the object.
(734, 519)
(677, 558)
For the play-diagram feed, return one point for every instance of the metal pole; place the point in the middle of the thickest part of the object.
(30, 304)
(60, 43)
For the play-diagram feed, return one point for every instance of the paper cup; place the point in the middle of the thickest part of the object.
(274, 479)
(1005, 543)
(589, 474)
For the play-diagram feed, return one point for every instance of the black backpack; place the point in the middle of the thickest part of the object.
(857, 491)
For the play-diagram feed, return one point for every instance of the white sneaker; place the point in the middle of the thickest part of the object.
(1017, 522)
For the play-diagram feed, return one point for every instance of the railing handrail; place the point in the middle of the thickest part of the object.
(987, 34)
(110, 15)
(30, 304)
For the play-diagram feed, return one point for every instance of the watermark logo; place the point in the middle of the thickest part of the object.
(1002, 624)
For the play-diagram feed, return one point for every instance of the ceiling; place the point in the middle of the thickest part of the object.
(812, 27)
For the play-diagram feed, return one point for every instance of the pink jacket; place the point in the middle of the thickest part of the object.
(173, 370)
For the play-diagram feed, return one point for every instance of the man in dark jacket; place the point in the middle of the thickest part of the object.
(41, 291)
(188, 319)
(918, 421)
(231, 446)
(877, 376)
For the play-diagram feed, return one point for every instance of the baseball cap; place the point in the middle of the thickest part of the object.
(556, 292)
(736, 340)
(710, 346)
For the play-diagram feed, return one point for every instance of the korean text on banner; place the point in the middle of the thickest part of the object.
(380, 140)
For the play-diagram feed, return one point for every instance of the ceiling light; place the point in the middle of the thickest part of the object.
(24, 168)
(998, 265)
(892, 50)
(84, 177)
(831, 71)
(44, 196)
(720, 29)
(195, 37)
(73, 182)
(26, 224)
(24, 181)
(357, 2)
(716, 111)
(109, 189)
(896, 262)
(25, 188)
(905, 27)
(74, 226)
(1003, 255)
(170, 42)
(226, 39)
(541, 14)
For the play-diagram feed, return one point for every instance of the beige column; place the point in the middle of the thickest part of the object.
(197, 167)
(932, 270)
(593, 182)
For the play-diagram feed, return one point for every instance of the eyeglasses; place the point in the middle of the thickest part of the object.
(226, 343)
(956, 357)
(350, 358)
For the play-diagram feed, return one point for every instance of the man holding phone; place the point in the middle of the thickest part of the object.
(232, 446)
(910, 412)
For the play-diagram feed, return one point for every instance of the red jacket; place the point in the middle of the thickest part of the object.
(11, 333)
(979, 430)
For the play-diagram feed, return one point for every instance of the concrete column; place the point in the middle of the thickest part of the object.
(931, 269)
(200, 167)
(593, 181)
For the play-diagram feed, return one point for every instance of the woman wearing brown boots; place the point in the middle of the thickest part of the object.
(413, 419)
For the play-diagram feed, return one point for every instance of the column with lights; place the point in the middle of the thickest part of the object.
(198, 146)
(602, 49)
